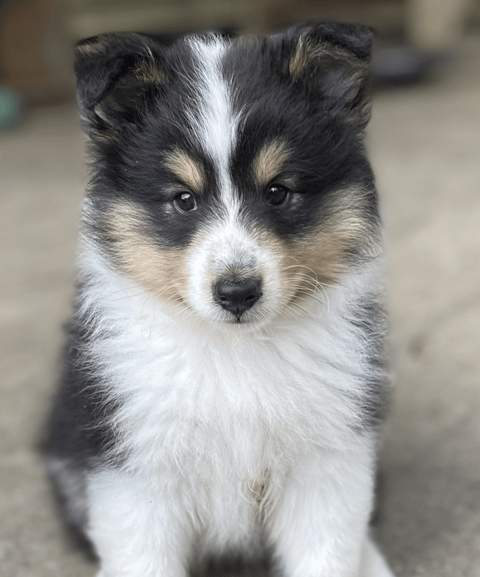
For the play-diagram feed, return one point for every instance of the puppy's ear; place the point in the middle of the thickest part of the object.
(117, 75)
(332, 61)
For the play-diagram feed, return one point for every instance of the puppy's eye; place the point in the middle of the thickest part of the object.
(185, 202)
(277, 194)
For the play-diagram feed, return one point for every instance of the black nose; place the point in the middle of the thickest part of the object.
(237, 296)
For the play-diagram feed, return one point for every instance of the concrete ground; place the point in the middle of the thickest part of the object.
(425, 145)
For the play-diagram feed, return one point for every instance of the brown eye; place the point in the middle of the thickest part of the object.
(185, 202)
(277, 194)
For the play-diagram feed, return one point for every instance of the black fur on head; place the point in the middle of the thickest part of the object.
(116, 76)
(301, 96)
(332, 61)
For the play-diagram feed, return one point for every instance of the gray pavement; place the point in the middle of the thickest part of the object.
(425, 146)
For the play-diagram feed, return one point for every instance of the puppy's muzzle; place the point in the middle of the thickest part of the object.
(237, 296)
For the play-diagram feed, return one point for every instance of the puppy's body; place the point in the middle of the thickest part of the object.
(224, 378)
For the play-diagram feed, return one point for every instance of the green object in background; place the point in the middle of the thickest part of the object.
(11, 109)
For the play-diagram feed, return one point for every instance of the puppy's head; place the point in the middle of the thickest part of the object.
(229, 177)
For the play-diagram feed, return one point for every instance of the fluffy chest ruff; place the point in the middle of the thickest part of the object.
(187, 393)
(224, 377)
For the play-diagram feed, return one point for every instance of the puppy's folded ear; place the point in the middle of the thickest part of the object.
(117, 75)
(332, 61)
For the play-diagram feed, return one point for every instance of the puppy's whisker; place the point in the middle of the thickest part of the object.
(131, 295)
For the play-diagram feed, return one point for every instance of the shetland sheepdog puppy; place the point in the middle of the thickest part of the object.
(224, 379)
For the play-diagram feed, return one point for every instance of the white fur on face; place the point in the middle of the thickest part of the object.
(228, 250)
(216, 126)
(225, 249)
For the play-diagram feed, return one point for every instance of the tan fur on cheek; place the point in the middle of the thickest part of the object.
(323, 257)
(134, 253)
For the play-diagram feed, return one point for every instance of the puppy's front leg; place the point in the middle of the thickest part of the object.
(319, 527)
(136, 528)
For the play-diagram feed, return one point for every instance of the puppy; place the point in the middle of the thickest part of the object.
(224, 377)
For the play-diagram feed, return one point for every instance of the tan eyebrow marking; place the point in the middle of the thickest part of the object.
(269, 161)
(186, 168)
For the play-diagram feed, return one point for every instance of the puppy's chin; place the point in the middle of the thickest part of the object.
(248, 320)
(256, 319)
(215, 318)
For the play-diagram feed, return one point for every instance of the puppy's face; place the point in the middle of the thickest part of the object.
(229, 176)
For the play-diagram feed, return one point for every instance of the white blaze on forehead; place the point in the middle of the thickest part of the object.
(216, 124)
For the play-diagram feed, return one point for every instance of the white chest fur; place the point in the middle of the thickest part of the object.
(189, 393)
(214, 425)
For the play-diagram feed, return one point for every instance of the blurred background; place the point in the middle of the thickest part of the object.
(424, 141)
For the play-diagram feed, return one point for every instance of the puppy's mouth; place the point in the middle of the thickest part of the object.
(237, 296)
